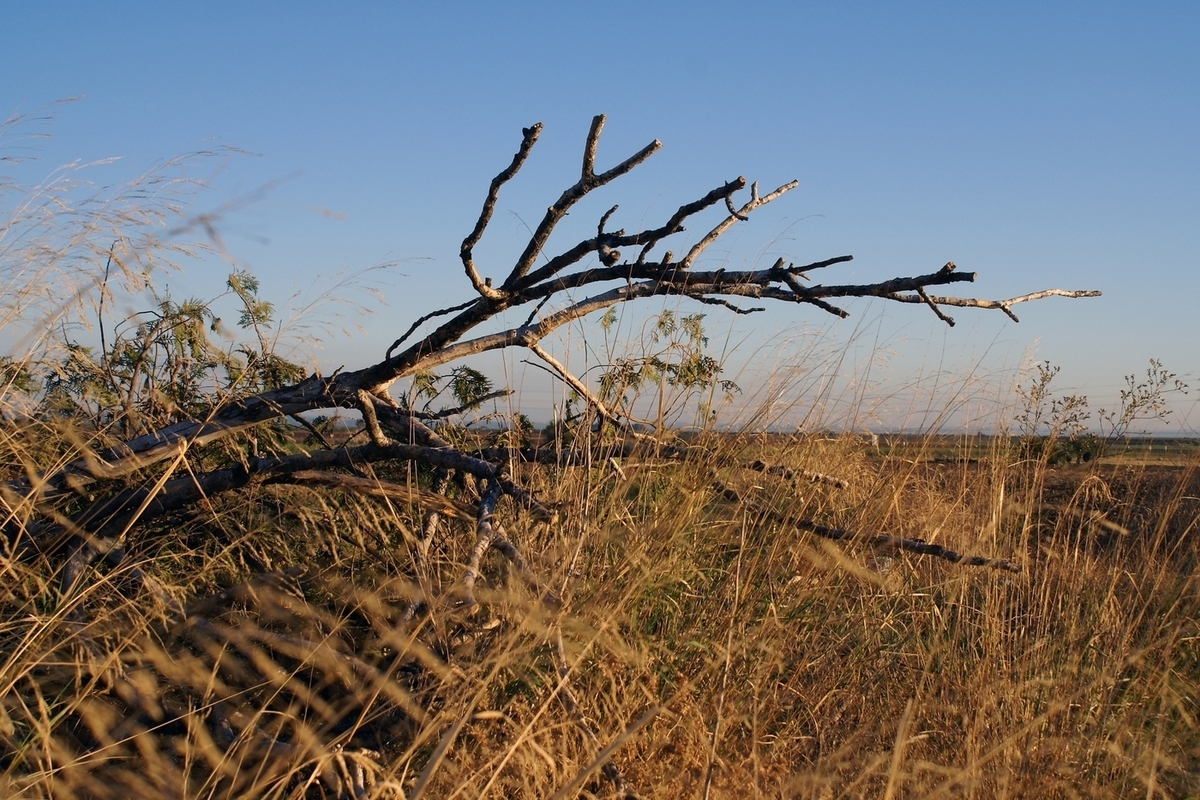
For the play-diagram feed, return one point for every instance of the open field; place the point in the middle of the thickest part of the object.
(208, 589)
(1149, 451)
(709, 647)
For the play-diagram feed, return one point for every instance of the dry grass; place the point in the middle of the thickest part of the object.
(752, 659)
(709, 650)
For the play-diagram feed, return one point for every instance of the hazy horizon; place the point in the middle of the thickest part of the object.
(1040, 147)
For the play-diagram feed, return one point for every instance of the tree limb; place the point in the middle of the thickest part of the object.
(919, 546)
(524, 285)
(1003, 305)
(529, 137)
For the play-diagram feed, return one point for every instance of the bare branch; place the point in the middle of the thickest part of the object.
(587, 182)
(628, 164)
(589, 148)
(817, 265)
(603, 759)
(675, 223)
(919, 546)
(314, 430)
(801, 294)
(401, 419)
(106, 519)
(446, 413)
(672, 279)
(533, 314)
(429, 529)
(716, 301)
(608, 256)
(789, 474)
(734, 216)
(446, 343)
(943, 317)
(435, 502)
(423, 320)
(486, 532)
(1003, 305)
(732, 212)
(366, 404)
(529, 137)
(647, 238)
(579, 388)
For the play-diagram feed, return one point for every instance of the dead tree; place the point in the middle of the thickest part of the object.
(616, 266)
(121, 488)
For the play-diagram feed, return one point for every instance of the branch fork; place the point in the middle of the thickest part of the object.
(461, 333)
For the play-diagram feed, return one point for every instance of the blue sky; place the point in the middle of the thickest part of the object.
(1037, 144)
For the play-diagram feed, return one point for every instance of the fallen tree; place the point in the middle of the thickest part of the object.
(88, 508)
(616, 278)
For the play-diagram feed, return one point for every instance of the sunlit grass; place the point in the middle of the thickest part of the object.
(767, 662)
(303, 641)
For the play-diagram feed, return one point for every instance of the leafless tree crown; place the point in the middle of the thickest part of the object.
(627, 266)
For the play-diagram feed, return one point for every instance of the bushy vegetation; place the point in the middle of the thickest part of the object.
(672, 616)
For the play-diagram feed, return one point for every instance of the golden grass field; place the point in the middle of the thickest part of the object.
(710, 649)
(667, 623)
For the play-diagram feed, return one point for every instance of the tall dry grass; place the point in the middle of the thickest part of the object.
(753, 659)
(272, 643)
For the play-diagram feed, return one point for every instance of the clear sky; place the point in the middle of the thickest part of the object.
(1040, 145)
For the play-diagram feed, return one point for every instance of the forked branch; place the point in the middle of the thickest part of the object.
(1003, 305)
(608, 281)
(529, 137)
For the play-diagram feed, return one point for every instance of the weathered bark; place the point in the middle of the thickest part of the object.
(97, 528)
(919, 546)
(524, 285)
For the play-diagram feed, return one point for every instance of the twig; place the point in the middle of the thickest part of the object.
(374, 487)
(787, 473)
(314, 430)
(485, 534)
(366, 404)
(588, 181)
(919, 546)
(528, 137)
(423, 320)
(533, 314)
(577, 385)
(675, 223)
(818, 265)
(603, 759)
(802, 294)
(429, 529)
(943, 317)
(454, 412)
(716, 301)
(754, 202)
(1003, 305)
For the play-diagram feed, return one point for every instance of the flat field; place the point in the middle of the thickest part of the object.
(676, 631)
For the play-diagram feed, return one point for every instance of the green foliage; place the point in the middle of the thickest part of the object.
(424, 386)
(15, 376)
(77, 385)
(1054, 428)
(1141, 401)
(255, 313)
(161, 365)
(677, 361)
(468, 385)
(516, 433)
